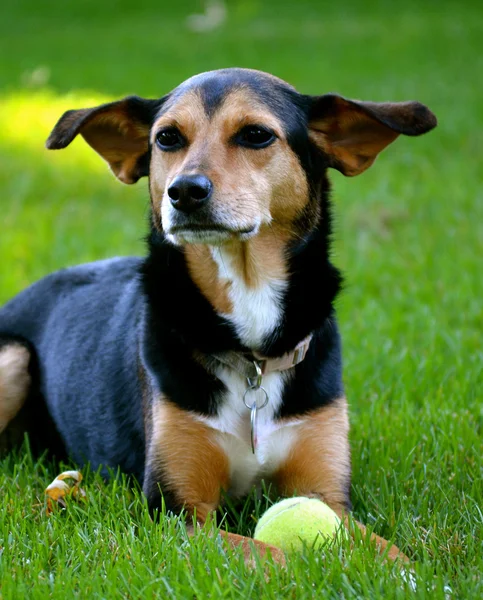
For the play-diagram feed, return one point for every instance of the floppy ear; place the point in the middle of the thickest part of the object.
(118, 131)
(352, 133)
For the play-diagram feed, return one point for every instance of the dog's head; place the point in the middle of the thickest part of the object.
(234, 151)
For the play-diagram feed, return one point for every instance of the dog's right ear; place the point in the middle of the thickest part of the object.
(118, 131)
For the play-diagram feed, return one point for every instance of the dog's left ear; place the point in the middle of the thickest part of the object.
(352, 133)
(118, 131)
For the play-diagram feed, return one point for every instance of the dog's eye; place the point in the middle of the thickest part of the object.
(170, 139)
(255, 136)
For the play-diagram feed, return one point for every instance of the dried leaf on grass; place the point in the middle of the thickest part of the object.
(64, 485)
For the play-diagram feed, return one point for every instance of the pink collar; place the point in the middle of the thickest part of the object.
(247, 367)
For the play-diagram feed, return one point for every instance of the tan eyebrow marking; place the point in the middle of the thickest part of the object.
(242, 107)
(188, 115)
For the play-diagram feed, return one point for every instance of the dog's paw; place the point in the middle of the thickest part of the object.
(254, 550)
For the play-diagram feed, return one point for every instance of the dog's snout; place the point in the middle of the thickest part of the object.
(189, 192)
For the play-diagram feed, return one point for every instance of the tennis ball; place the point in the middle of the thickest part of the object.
(293, 522)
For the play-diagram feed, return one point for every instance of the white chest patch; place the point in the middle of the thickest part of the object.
(256, 311)
(274, 439)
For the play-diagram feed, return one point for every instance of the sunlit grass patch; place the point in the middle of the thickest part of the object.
(28, 116)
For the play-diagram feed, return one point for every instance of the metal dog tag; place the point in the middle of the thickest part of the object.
(253, 426)
(254, 408)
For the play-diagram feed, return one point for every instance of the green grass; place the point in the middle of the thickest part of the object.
(409, 237)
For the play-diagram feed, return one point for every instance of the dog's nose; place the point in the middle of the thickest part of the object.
(189, 192)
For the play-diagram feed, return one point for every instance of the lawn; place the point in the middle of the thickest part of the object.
(409, 238)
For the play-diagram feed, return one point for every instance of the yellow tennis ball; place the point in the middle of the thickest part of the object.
(293, 522)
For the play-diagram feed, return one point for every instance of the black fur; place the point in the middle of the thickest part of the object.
(82, 324)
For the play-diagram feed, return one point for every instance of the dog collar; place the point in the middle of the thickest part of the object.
(246, 365)
(254, 369)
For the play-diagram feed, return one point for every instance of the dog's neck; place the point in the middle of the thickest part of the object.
(265, 295)
(245, 282)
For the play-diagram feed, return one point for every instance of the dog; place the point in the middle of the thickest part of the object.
(214, 362)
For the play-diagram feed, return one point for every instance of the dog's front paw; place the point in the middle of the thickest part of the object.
(254, 549)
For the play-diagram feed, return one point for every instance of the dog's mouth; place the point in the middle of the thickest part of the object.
(212, 233)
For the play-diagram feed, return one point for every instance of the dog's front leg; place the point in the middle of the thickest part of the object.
(188, 469)
(185, 465)
(318, 465)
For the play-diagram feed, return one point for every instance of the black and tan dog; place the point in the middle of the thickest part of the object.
(215, 362)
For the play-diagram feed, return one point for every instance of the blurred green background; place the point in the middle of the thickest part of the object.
(64, 208)
(408, 235)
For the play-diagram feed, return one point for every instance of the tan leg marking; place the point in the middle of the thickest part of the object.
(319, 461)
(14, 381)
(319, 466)
(184, 451)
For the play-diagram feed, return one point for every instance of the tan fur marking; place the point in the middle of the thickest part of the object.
(261, 258)
(14, 381)
(319, 462)
(195, 469)
(187, 114)
(204, 272)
